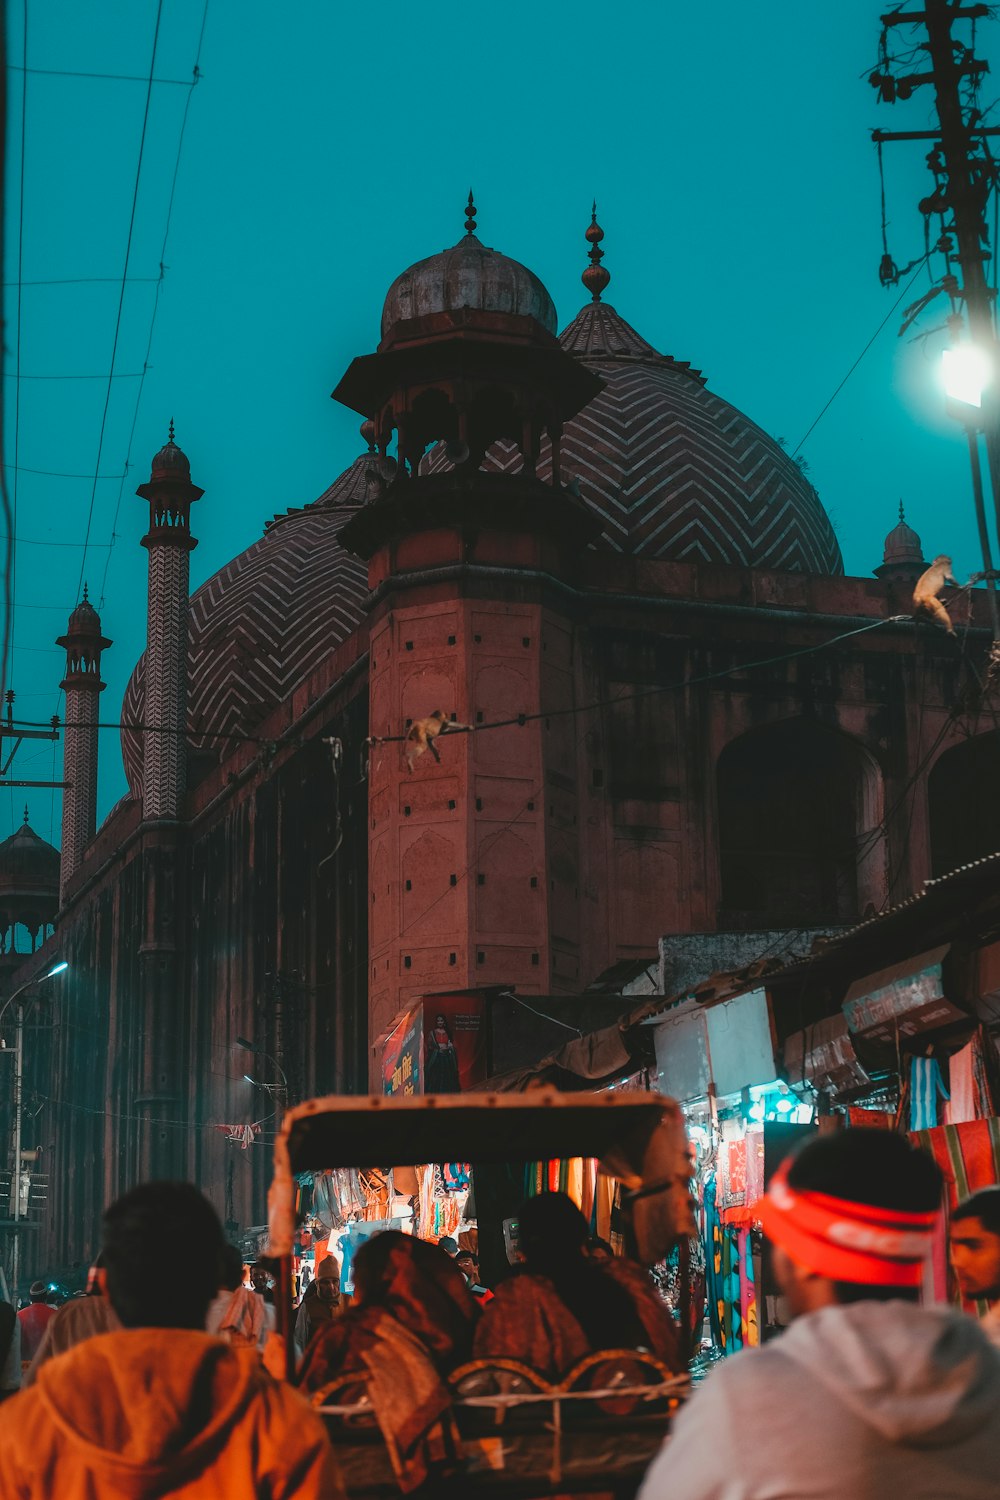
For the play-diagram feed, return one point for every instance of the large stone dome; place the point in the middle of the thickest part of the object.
(674, 471)
(468, 275)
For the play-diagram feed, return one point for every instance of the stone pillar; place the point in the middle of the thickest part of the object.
(82, 685)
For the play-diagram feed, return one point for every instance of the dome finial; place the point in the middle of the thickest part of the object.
(596, 277)
(26, 815)
(85, 598)
(470, 215)
(901, 515)
(171, 435)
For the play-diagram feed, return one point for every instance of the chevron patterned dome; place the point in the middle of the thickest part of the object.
(673, 470)
(264, 622)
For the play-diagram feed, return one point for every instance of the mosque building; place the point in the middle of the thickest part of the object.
(674, 716)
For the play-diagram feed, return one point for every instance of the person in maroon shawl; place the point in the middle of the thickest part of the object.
(410, 1323)
(565, 1304)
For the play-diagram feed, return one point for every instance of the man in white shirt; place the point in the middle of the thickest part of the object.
(867, 1394)
(975, 1252)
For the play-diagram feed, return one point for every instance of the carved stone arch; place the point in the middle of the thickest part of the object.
(799, 807)
(503, 882)
(963, 803)
(430, 873)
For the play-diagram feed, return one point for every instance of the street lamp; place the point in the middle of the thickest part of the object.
(272, 1088)
(15, 1179)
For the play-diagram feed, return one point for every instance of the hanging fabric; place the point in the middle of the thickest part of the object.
(926, 1087)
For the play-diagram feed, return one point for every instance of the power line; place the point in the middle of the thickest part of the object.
(195, 732)
(112, 77)
(121, 297)
(58, 473)
(118, 375)
(860, 357)
(195, 76)
(11, 579)
(82, 281)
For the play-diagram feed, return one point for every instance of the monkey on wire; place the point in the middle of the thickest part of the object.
(929, 585)
(423, 732)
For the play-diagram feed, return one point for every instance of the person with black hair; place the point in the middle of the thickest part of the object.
(868, 1393)
(975, 1253)
(159, 1407)
(566, 1303)
(80, 1319)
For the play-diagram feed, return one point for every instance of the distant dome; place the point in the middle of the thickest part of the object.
(468, 275)
(29, 867)
(903, 550)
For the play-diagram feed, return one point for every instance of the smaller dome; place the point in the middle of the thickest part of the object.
(902, 547)
(171, 462)
(84, 620)
(468, 275)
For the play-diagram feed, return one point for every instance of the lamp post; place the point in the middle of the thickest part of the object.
(968, 374)
(15, 1178)
(271, 1088)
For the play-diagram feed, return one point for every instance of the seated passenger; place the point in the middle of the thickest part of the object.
(565, 1304)
(410, 1323)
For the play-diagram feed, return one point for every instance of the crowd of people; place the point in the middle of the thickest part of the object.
(168, 1378)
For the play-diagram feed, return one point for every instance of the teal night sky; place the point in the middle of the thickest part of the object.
(326, 148)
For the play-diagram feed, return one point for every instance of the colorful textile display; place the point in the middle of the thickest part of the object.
(972, 1076)
(926, 1087)
(969, 1158)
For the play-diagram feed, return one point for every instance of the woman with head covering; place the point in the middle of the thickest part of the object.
(320, 1303)
(410, 1323)
(566, 1304)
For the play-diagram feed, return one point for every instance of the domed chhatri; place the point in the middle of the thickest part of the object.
(902, 544)
(84, 620)
(469, 275)
(171, 462)
(27, 863)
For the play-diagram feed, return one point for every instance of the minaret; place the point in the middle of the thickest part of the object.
(82, 685)
(162, 1095)
(169, 541)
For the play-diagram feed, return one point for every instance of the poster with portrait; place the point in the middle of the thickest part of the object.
(436, 1046)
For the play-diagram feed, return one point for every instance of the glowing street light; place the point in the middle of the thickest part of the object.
(966, 373)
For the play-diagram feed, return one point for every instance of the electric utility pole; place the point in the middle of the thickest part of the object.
(965, 175)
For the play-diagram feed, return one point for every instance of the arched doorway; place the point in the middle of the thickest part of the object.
(963, 793)
(799, 808)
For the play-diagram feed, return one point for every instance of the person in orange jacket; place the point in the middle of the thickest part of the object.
(160, 1407)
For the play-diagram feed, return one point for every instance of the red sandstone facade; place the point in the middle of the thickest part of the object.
(576, 531)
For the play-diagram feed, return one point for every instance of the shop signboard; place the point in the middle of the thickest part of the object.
(728, 1045)
(437, 1046)
(401, 1052)
(902, 1001)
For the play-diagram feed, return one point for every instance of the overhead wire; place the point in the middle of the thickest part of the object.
(195, 76)
(121, 297)
(816, 421)
(10, 571)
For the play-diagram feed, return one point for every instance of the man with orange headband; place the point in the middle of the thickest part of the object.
(868, 1394)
